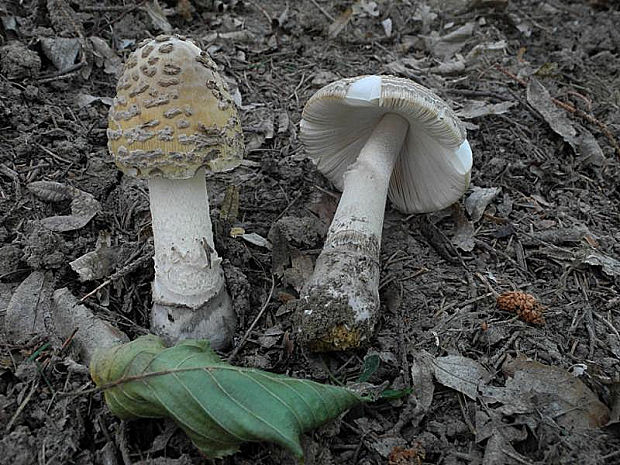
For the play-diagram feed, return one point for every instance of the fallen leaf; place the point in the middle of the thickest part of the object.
(461, 373)
(105, 56)
(455, 66)
(61, 51)
(557, 236)
(83, 205)
(609, 265)
(29, 307)
(387, 27)
(242, 36)
(446, 46)
(486, 52)
(261, 132)
(554, 392)
(407, 456)
(384, 445)
(84, 100)
(257, 240)
(270, 337)
(422, 369)
(476, 109)
(185, 9)
(464, 234)
(289, 235)
(9, 23)
(339, 23)
(229, 210)
(218, 405)
(425, 15)
(499, 450)
(97, 263)
(368, 7)
(614, 391)
(589, 149)
(236, 231)
(157, 15)
(283, 122)
(538, 96)
(300, 271)
(10, 256)
(477, 202)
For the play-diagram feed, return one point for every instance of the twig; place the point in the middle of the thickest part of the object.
(258, 317)
(464, 303)
(119, 274)
(263, 11)
(322, 10)
(53, 155)
(118, 18)
(101, 9)
(64, 74)
(68, 340)
(21, 407)
(290, 204)
(518, 458)
(121, 443)
(571, 109)
(609, 325)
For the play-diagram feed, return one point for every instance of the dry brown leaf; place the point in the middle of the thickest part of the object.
(556, 393)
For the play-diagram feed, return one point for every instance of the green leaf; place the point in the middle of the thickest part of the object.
(218, 405)
(371, 364)
(392, 394)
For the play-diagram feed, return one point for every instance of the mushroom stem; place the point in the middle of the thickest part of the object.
(189, 290)
(362, 204)
(340, 302)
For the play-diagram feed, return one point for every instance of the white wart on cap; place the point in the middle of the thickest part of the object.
(434, 165)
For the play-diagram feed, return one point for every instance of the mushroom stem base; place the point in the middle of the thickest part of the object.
(215, 320)
(338, 308)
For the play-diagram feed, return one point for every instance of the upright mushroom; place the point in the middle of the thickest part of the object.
(172, 119)
(373, 137)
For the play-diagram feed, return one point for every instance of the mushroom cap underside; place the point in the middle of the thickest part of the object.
(173, 113)
(434, 165)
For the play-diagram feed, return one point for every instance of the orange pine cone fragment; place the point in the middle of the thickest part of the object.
(524, 305)
(402, 456)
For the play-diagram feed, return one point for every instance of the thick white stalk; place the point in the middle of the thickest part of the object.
(340, 302)
(189, 290)
(187, 268)
(362, 204)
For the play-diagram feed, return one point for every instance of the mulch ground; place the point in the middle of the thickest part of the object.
(538, 86)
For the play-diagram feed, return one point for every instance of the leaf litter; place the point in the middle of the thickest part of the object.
(549, 190)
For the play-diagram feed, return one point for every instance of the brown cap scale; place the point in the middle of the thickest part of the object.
(173, 113)
(173, 120)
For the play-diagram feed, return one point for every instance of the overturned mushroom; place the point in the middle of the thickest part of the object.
(171, 120)
(373, 137)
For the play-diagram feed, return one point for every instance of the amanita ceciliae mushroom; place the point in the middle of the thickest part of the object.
(373, 137)
(172, 120)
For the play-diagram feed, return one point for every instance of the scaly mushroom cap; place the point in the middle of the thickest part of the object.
(173, 113)
(434, 165)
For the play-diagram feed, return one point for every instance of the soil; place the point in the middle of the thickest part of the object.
(547, 222)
